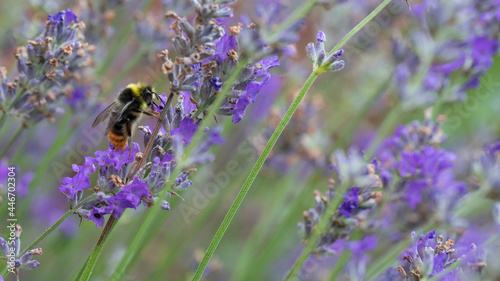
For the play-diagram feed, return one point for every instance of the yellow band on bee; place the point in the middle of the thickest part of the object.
(136, 88)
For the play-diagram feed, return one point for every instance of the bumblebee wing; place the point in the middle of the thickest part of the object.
(104, 114)
(123, 110)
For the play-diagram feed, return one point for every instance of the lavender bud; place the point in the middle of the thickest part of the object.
(165, 205)
(336, 66)
(31, 264)
(311, 52)
(333, 57)
(25, 257)
(4, 247)
(246, 74)
(84, 213)
(223, 13)
(320, 58)
(49, 55)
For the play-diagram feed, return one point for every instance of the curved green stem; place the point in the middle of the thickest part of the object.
(92, 260)
(53, 227)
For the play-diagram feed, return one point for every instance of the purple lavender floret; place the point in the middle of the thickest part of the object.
(81, 181)
(65, 17)
(130, 196)
(351, 201)
(186, 130)
(116, 194)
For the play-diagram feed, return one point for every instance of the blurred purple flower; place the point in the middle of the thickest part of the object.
(129, 196)
(186, 130)
(351, 201)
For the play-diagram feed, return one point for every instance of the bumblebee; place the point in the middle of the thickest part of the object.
(125, 112)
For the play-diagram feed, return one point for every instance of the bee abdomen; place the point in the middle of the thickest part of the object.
(118, 140)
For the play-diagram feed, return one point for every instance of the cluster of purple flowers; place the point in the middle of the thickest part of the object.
(430, 255)
(200, 88)
(417, 180)
(461, 40)
(48, 70)
(117, 191)
(319, 57)
(420, 175)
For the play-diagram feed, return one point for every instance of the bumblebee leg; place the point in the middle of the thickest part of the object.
(160, 107)
(151, 114)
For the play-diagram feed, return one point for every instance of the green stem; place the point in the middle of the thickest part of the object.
(11, 141)
(53, 227)
(260, 161)
(92, 261)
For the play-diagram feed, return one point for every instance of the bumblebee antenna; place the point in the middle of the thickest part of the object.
(158, 97)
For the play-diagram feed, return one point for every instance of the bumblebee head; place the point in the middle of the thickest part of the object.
(143, 92)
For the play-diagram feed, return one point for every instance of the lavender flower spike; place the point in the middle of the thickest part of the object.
(321, 61)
